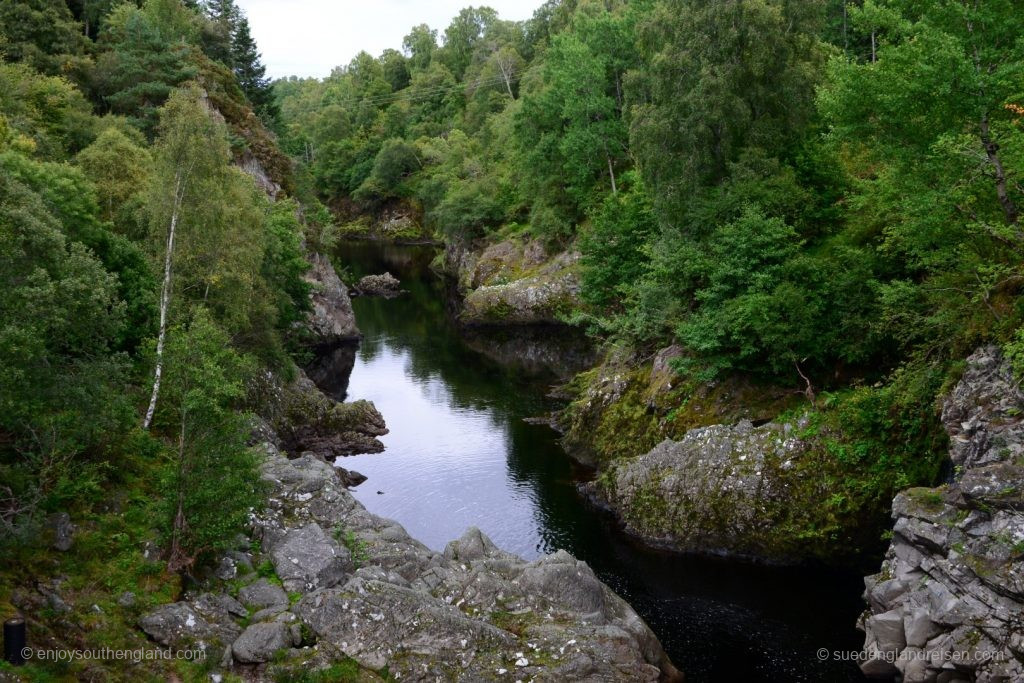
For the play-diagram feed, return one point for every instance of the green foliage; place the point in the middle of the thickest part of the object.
(211, 483)
(700, 104)
(1014, 350)
(49, 113)
(42, 34)
(395, 161)
(613, 247)
(59, 381)
(120, 167)
(71, 199)
(148, 53)
(284, 264)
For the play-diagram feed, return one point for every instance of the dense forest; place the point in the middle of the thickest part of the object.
(821, 195)
(139, 267)
(812, 188)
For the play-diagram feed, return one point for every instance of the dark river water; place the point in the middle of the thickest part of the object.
(459, 454)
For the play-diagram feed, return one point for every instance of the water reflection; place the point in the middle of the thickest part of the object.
(331, 369)
(459, 454)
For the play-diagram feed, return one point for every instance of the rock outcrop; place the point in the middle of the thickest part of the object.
(364, 590)
(725, 489)
(948, 604)
(627, 405)
(514, 283)
(386, 285)
(331, 320)
(304, 419)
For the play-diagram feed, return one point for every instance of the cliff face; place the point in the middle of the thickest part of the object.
(948, 604)
(332, 319)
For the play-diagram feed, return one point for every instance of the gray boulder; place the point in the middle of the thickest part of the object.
(515, 283)
(259, 642)
(386, 285)
(307, 559)
(180, 624)
(720, 489)
(261, 593)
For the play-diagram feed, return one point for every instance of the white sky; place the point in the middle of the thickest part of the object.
(311, 37)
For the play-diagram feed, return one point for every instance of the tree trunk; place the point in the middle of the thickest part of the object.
(176, 558)
(611, 171)
(165, 301)
(992, 151)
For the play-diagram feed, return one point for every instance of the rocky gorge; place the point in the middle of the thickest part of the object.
(320, 580)
(948, 603)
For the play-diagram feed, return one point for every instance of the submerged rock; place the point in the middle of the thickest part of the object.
(386, 285)
(948, 603)
(331, 319)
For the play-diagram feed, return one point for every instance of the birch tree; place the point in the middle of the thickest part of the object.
(191, 155)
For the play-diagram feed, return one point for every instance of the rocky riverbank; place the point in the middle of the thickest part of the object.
(320, 583)
(948, 603)
(327, 582)
(513, 282)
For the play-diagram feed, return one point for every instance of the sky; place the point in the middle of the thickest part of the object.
(311, 37)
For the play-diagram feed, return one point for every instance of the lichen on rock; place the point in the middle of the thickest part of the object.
(514, 282)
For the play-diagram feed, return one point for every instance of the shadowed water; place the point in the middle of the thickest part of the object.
(459, 454)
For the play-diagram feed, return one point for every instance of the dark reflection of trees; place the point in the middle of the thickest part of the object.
(331, 369)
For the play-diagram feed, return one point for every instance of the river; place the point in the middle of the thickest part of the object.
(459, 454)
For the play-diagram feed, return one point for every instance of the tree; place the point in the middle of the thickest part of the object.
(49, 112)
(251, 74)
(71, 199)
(722, 78)
(189, 153)
(42, 34)
(932, 129)
(120, 168)
(462, 36)
(219, 31)
(420, 45)
(60, 385)
(212, 481)
(569, 130)
(148, 53)
(614, 247)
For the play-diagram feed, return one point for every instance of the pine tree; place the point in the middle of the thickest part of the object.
(251, 74)
(219, 32)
